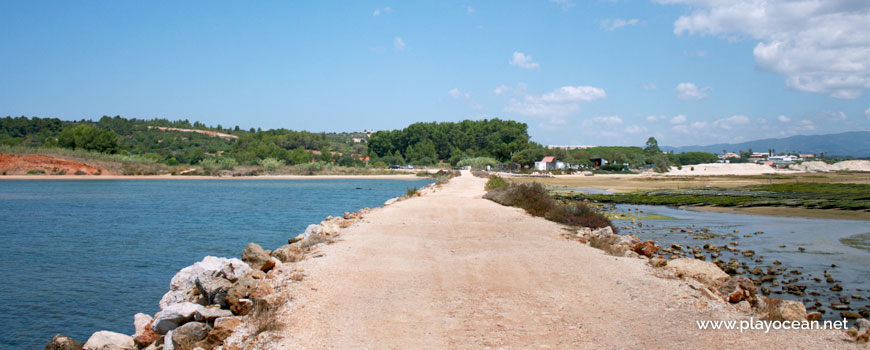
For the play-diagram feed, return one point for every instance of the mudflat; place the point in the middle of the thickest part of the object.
(451, 270)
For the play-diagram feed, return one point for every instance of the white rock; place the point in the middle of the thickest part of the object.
(231, 269)
(105, 340)
(167, 343)
(210, 314)
(174, 315)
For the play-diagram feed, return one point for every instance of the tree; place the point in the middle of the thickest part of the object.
(652, 146)
(90, 138)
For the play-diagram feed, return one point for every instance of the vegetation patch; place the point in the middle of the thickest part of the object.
(535, 199)
(797, 195)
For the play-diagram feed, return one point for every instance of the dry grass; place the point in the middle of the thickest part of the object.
(264, 315)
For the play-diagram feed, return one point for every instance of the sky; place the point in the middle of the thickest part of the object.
(598, 72)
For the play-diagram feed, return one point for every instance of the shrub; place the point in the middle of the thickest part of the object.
(312, 168)
(271, 164)
(477, 163)
(412, 191)
(496, 183)
(535, 200)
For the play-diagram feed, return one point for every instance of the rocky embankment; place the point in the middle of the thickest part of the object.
(211, 299)
(215, 298)
(739, 292)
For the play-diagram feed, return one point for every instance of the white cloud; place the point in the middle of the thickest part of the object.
(522, 60)
(555, 104)
(783, 119)
(808, 124)
(678, 119)
(608, 120)
(501, 89)
(382, 11)
(654, 118)
(867, 112)
(574, 94)
(469, 10)
(680, 129)
(398, 44)
(616, 23)
(635, 129)
(650, 86)
(457, 94)
(819, 46)
(563, 4)
(690, 91)
(731, 122)
(699, 125)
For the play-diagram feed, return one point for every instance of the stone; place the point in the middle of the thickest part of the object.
(814, 316)
(213, 289)
(210, 314)
(658, 262)
(256, 257)
(187, 336)
(744, 306)
(184, 280)
(646, 248)
(245, 289)
(105, 340)
(331, 226)
(258, 274)
(62, 342)
(782, 310)
(223, 328)
(143, 335)
(836, 288)
(862, 324)
(849, 314)
(604, 231)
(702, 271)
(289, 253)
(864, 338)
(174, 316)
(738, 288)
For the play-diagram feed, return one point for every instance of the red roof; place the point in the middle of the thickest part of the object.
(548, 159)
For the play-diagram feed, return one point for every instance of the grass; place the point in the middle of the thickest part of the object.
(264, 316)
(535, 200)
(795, 195)
(496, 183)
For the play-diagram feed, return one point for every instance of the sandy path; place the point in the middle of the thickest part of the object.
(453, 271)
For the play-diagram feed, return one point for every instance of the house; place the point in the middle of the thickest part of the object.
(782, 159)
(598, 161)
(729, 155)
(807, 156)
(546, 163)
(571, 147)
(757, 157)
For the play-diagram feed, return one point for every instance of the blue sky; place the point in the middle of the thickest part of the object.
(578, 72)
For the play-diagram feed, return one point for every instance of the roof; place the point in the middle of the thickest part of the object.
(548, 159)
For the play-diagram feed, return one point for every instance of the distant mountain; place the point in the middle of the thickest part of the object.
(847, 144)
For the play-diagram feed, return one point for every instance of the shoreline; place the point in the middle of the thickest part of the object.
(202, 177)
(833, 214)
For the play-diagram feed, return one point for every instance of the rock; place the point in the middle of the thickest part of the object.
(184, 280)
(213, 289)
(144, 336)
(646, 248)
(256, 257)
(658, 262)
(837, 288)
(863, 338)
(814, 316)
(782, 310)
(62, 342)
(705, 272)
(744, 306)
(209, 314)
(258, 275)
(604, 231)
(612, 244)
(862, 324)
(289, 253)
(105, 340)
(849, 314)
(186, 336)
(738, 288)
(247, 288)
(174, 316)
(223, 328)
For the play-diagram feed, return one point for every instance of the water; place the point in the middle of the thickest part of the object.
(819, 238)
(83, 256)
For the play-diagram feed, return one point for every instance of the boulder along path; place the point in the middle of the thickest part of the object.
(451, 270)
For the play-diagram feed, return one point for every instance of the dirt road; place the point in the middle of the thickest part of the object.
(453, 271)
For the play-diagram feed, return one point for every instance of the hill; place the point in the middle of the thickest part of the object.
(848, 144)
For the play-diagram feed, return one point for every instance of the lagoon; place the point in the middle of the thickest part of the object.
(83, 256)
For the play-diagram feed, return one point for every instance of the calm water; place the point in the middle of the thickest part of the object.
(782, 239)
(83, 256)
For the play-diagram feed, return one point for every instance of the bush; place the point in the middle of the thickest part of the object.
(312, 168)
(496, 183)
(535, 199)
(412, 192)
(477, 163)
(271, 164)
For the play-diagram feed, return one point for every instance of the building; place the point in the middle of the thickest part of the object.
(783, 159)
(807, 156)
(757, 157)
(550, 163)
(598, 161)
(566, 148)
